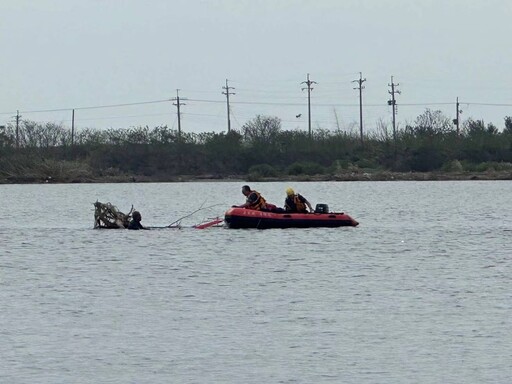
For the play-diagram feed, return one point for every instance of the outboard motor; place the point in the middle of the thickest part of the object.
(321, 208)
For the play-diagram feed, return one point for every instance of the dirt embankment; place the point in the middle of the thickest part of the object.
(347, 176)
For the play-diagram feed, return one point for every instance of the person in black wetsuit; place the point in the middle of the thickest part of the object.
(136, 219)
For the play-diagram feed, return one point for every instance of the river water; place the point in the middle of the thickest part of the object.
(420, 292)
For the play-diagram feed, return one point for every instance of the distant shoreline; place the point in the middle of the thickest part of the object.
(348, 176)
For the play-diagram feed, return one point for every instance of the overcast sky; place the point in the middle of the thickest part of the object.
(65, 54)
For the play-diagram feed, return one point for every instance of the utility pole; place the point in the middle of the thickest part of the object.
(18, 129)
(72, 128)
(227, 93)
(392, 102)
(178, 104)
(309, 88)
(360, 87)
(458, 111)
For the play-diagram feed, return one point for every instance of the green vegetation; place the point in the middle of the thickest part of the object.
(260, 150)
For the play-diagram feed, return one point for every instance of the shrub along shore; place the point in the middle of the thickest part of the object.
(430, 149)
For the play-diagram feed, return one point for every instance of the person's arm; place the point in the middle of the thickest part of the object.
(251, 199)
(141, 226)
(305, 201)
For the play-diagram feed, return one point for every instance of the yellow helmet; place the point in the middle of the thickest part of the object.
(289, 191)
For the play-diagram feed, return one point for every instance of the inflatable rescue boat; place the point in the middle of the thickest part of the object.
(249, 218)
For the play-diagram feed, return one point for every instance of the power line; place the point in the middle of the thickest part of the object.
(317, 104)
(124, 116)
(200, 114)
(488, 104)
(90, 107)
(126, 104)
(245, 103)
(275, 102)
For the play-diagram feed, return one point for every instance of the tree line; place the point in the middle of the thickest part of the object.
(261, 148)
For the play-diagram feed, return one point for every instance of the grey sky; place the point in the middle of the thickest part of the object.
(64, 54)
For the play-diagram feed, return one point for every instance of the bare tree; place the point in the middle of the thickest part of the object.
(262, 129)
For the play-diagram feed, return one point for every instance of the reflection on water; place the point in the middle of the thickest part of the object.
(419, 292)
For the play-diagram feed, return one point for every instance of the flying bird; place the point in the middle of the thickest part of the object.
(299, 115)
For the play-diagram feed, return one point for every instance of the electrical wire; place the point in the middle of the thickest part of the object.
(486, 104)
(89, 107)
(122, 117)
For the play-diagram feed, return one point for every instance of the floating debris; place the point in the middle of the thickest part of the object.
(109, 216)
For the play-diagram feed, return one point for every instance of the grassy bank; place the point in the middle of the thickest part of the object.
(343, 176)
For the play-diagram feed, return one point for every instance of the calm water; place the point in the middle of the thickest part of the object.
(420, 292)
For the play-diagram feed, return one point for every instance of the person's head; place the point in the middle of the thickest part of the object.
(289, 192)
(246, 190)
(136, 216)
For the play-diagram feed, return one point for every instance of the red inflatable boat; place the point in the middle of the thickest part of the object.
(249, 218)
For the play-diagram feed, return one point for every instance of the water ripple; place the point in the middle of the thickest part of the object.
(420, 292)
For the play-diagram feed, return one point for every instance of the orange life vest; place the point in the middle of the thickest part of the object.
(295, 204)
(258, 204)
